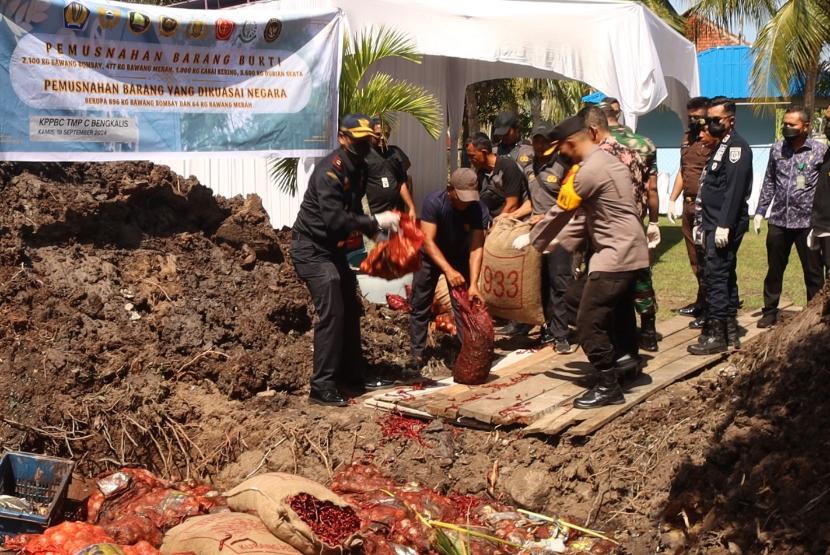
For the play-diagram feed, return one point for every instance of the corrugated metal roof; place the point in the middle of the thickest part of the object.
(724, 71)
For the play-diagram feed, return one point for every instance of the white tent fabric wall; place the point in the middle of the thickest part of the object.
(616, 46)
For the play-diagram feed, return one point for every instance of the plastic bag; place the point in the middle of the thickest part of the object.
(398, 256)
(473, 363)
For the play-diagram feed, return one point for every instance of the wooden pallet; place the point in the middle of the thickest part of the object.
(536, 389)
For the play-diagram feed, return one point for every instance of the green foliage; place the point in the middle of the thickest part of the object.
(373, 93)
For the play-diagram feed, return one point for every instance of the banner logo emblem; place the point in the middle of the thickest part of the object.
(108, 19)
(224, 29)
(138, 22)
(168, 26)
(196, 29)
(248, 31)
(273, 29)
(75, 16)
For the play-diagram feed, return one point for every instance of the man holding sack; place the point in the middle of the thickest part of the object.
(602, 188)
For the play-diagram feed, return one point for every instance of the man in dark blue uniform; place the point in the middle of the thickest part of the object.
(329, 215)
(724, 189)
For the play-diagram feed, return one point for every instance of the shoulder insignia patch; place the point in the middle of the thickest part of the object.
(337, 163)
(734, 154)
(720, 152)
(551, 179)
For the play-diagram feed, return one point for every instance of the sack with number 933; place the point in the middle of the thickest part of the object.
(510, 279)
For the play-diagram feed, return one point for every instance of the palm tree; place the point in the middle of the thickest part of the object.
(791, 38)
(378, 94)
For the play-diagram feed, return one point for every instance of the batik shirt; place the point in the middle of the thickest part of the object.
(643, 145)
(638, 168)
(790, 183)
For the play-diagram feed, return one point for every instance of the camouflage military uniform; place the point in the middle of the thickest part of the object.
(643, 145)
(645, 300)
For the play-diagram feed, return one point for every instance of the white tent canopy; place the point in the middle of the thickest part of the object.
(616, 46)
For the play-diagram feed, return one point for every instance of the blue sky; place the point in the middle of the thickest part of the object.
(749, 31)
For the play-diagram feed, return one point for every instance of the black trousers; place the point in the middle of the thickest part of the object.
(557, 276)
(824, 250)
(606, 323)
(721, 276)
(338, 355)
(780, 242)
(423, 293)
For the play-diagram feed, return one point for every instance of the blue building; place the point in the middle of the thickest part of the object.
(724, 71)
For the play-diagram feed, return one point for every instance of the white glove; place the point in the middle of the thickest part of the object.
(756, 223)
(388, 220)
(653, 235)
(812, 244)
(521, 242)
(721, 237)
(670, 212)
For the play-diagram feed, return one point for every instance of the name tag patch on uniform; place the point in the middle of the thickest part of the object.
(734, 154)
(719, 154)
(385, 182)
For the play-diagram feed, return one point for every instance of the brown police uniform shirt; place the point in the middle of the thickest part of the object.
(693, 158)
(612, 221)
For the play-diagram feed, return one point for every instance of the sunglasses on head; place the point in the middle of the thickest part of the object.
(712, 119)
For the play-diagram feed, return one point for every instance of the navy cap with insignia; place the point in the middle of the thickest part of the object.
(543, 128)
(357, 125)
(504, 122)
(567, 127)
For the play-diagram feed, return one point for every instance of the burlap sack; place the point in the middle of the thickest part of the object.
(223, 534)
(511, 280)
(441, 301)
(267, 496)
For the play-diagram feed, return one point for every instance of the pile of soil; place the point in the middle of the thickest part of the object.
(144, 321)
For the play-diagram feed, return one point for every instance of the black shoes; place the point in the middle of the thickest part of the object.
(327, 398)
(377, 383)
(606, 392)
(546, 337)
(563, 346)
(629, 368)
(692, 310)
(514, 328)
(698, 323)
(733, 333)
(648, 334)
(712, 340)
(768, 320)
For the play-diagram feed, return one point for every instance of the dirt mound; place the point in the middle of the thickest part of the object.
(120, 281)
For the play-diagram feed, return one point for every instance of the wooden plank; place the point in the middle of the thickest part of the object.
(673, 361)
(375, 403)
(661, 378)
(487, 408)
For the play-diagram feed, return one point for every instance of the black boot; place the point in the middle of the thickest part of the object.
(648, 333)
(698, 323)
(606, 392)
(733, 333)
(712, 343)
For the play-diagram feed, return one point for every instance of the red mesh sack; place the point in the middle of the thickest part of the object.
(396, 302)
(473, 363)
(398, 256)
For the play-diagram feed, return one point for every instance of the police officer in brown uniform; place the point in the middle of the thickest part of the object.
(694, 153)
(603, 189)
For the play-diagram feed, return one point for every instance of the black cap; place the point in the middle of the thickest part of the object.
(504, 122)
(543, 128)
(357, 125)
(566, 128)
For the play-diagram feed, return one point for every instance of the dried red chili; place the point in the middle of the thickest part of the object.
(331, 523)
(398, 426)
(398, 256)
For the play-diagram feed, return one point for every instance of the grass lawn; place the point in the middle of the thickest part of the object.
(676, 286)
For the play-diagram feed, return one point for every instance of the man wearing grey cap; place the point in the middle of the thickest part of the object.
(453, 221)
(507, 135)
(602, 188)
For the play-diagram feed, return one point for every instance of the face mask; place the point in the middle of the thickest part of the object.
(717, 128)
(790, 133)
(360, 149)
